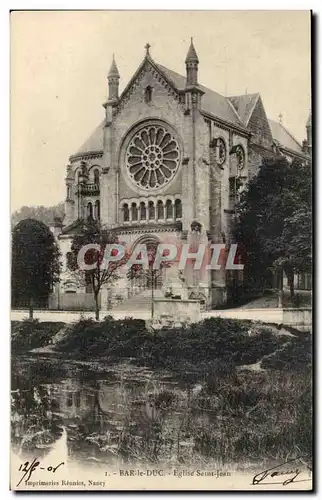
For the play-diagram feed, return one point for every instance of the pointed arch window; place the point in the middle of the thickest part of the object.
(134, 212)
(126, 212)
(160, 208)
(178, 209)
(151, 210)
(142, 211)
(169, 209)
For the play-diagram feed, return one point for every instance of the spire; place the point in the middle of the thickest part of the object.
(192, 62)
(113, 81)
(113, 72)
(192, 54)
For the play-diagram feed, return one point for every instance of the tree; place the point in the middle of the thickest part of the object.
(35, 263)
(273, 221)
(101, 274)
(149, 274)
(41, 213)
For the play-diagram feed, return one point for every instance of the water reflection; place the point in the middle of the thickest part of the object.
(110, 415)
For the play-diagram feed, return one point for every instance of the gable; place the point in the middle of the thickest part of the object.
(148, 70)
(259, 126)
(244, 105)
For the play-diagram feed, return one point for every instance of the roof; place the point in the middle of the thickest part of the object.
(212, 102)
(113, 69)
(236, 110)
(192, 54)
(284, 137)
(244, 105)
(94, 142)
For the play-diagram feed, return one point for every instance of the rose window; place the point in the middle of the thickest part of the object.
(240, 155)
(221, 151)
(152, 157)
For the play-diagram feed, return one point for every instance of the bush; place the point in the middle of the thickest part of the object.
(30, 334)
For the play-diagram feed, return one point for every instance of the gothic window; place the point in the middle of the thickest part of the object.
(68, 192)
(151, 210)
(142, 211)
(134, 212)
(178, 209)
(96, 176)
(160, 209)
(169, 209)
(220, 151)
(148, 94)
(126, 213)
(152, 157)
(240, 155)
(97, 210)
(89, 210)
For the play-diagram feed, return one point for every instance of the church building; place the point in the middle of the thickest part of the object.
(166, 165)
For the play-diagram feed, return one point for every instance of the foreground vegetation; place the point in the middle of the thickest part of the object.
(242, 391)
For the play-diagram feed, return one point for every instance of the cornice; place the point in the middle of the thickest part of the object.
(88, 155)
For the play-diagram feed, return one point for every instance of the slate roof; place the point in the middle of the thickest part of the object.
(94, 142)
(284, 137)
(236, 110)
(211, 102)
(244, 105)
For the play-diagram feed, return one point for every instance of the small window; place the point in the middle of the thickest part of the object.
(169, 209)
(126, 213)
(96, 176)
(142, 211)
(148, 94)
(178, 209)
(89, 210)
(160, 210)
(97, 210)
(151, 210)
(134, 212)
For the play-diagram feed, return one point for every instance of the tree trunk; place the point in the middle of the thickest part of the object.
(97, 309)
(31, 309)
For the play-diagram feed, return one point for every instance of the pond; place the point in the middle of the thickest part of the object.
(108, 414)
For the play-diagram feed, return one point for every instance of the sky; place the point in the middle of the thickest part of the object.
(60, 61)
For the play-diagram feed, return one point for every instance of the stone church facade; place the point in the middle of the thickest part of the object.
(168, 154)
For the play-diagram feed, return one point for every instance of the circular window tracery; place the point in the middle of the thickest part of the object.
(240, 157)
(221, 151)
(152, 157)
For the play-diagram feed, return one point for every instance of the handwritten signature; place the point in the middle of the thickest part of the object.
(284, 469)
(29, 467)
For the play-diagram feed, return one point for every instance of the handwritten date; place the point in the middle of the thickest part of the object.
(29, 467)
